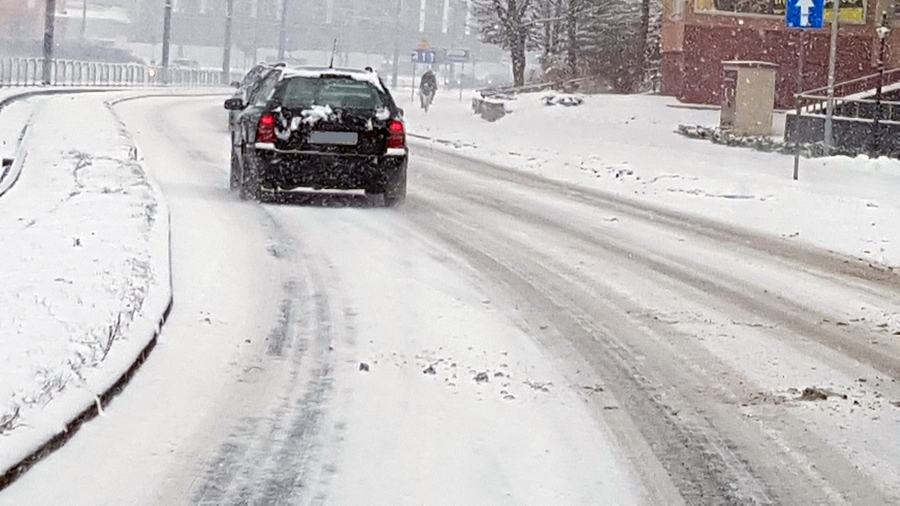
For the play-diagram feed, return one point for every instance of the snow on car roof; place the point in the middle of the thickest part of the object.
(356, 74)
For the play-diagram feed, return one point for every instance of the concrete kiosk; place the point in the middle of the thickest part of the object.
(748, 97)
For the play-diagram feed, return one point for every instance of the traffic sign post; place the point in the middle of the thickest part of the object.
(462, 57)
(462, 72)
(832, 61)
(804, 14)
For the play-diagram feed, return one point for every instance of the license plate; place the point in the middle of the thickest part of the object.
(346, 138)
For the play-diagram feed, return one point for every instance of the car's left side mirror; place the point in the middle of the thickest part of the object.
(400, 110)
(234, 104)
(235, 84)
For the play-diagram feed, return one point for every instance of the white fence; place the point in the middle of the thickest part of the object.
(29, 72)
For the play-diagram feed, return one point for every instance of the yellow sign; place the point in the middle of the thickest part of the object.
(424, 44)
(850, 14)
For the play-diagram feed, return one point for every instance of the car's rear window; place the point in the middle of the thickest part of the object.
(337, 92)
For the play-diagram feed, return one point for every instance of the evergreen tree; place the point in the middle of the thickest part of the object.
(613, 40)
(611, 44)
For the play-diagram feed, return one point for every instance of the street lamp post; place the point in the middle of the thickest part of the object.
(883, 31)
(282, 32)
(226, 52)
(167, 33)
(395, 56)
(49, 24)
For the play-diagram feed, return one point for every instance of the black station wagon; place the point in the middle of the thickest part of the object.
(318, 128)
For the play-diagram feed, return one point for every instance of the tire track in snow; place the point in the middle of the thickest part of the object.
(680, 436)
(272, 458)
(701, 463)
(873, 281)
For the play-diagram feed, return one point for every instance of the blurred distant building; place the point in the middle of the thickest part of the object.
(22, 24)
(371, 26)
(21, 19)
(97, 20)
(698, 35)
(84, 27)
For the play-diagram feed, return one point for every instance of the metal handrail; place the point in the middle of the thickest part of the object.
(890, 77)
(816, 99)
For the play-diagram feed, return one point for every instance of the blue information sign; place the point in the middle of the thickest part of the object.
(423, 56)
(805, 13)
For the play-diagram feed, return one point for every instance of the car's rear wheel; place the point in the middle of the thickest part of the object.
(395, 191)
(250, 187)
(234, 176)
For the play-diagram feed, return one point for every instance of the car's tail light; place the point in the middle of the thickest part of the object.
(265, 132)
(397, 138)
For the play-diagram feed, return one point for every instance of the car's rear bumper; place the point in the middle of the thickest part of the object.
(286, 170)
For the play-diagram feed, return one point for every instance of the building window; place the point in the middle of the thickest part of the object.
(771, 7)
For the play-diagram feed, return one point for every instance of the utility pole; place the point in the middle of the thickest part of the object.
(226, 52)
(395, 57)
(49, 24)
(255, 32)
(167, 34)
(282, 33)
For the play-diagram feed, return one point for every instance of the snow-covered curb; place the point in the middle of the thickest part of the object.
(9, 177)
(41, 425)
(15, 95)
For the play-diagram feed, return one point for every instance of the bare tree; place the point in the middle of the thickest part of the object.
(508, 24)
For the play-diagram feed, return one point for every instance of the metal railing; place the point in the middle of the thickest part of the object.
(532, 87)
(848, 97)
(862, 121)
(29, 72)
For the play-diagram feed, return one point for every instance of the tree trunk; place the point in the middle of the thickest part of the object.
(643, 34)
(517, 53)
(571, 37)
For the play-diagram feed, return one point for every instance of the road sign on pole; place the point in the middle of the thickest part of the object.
(458, 55)
(424, 56)
(805, 13)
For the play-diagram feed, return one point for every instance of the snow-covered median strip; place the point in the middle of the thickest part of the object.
(86, 283)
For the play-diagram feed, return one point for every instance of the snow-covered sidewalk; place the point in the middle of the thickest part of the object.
(627, 145)
(86, 270)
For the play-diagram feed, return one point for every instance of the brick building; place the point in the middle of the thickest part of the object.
(697, 35)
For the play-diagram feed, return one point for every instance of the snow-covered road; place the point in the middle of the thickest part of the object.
(255, 391)
(500, 338)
